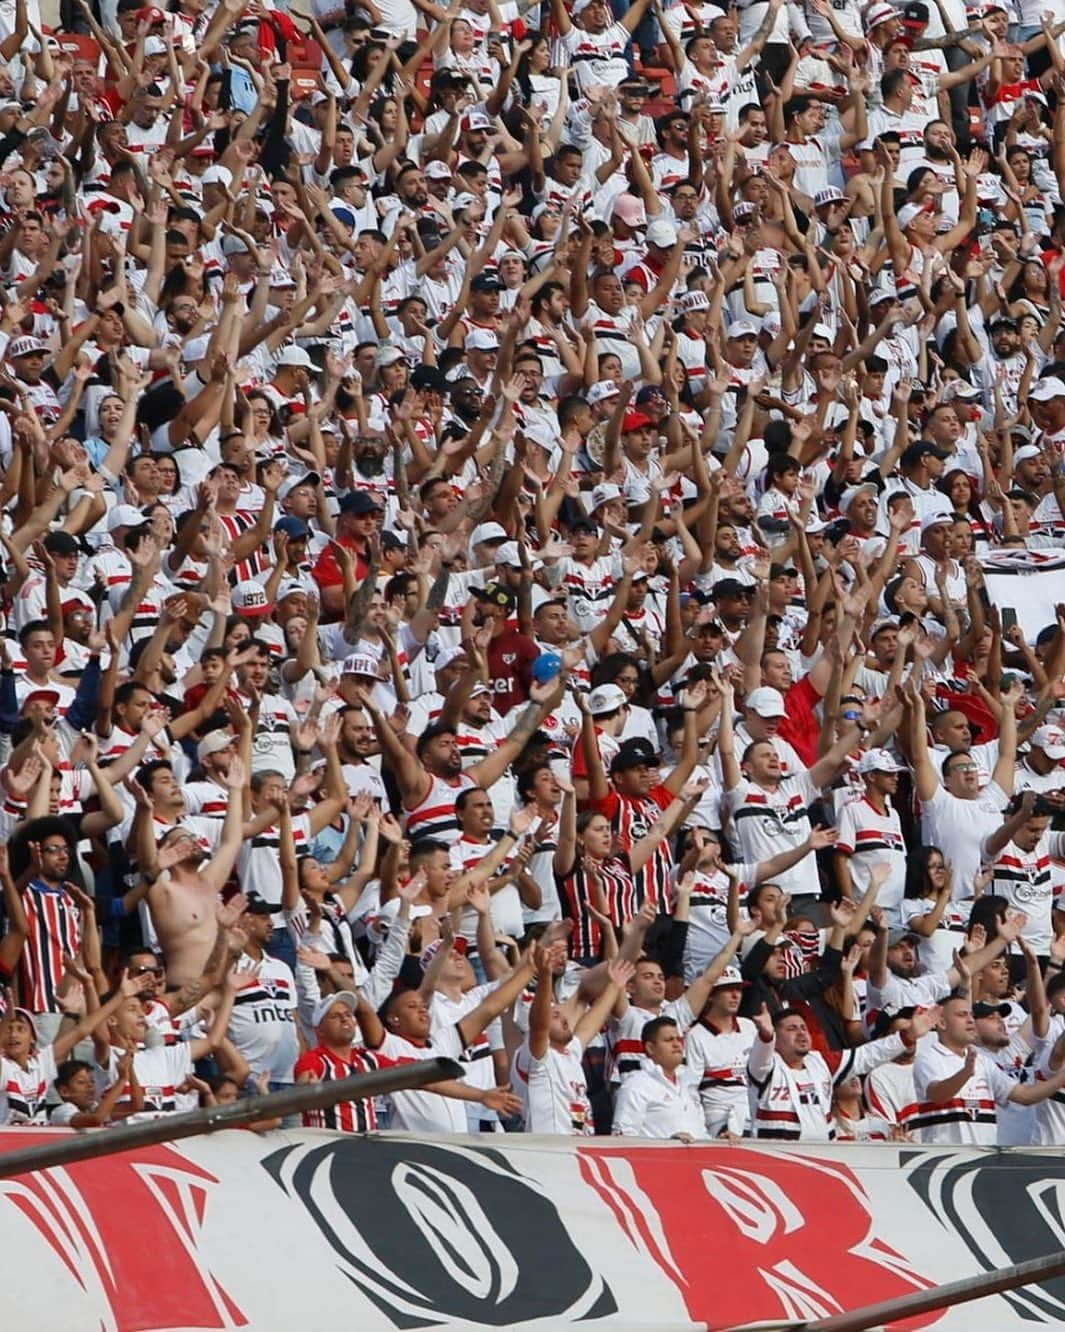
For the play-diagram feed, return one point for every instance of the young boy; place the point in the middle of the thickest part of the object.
(76, 1085)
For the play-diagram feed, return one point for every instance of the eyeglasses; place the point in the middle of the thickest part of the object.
(55, 849)
(146, 971)
(965, 767)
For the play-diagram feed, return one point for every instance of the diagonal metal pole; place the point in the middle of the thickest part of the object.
(172, 1128)
(926, 1301)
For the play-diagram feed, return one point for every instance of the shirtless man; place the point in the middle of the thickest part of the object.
(184, 893)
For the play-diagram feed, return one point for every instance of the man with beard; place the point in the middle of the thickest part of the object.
(1004, 368)
(412, 196)
(431, 778)
(1016, 1050)
(897, 980)
(356, 745)
(184, 892)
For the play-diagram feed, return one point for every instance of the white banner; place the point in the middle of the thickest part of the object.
(1029, 581)
(303, 1230)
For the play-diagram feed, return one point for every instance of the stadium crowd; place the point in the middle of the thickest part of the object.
(495, 501)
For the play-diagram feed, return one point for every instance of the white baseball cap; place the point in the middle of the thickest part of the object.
(481, 339)
(877, 14)
(249, 598)
(292, 355)
(488, 532)
(1051, 741)
(661, 232)
(604, 493)
(124, 515)
(341, 997)
(730, 976)
(359, 663)
(606, 698)
(213, 743)
(877, 760)
(1045, 389)
(766, 702)
(606, 388)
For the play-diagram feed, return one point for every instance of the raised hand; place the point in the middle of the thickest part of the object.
(620, 972)
(764, 1023)
(229, 912)
(313, 958)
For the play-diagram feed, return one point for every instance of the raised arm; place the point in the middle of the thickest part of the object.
(220, 866)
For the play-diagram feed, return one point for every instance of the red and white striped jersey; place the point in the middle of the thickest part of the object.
(870, 838)
(624, 1036)
(971, 1116)
(433, 819)
(708, 930)
(795, 1104)
(118, 740)
(447, 1013)
(477, 742)
(207, 799)
(259, 863)
(1026, 880)
(632, 818)
(766, 822)
(327, 1066)
(691, 352)
(619, 889)
(554, 1090)
(506, 903)
(236, 524)
(23, 1090)
(717, 1058)
(55, 933)
(890, 1094)
(589, 588)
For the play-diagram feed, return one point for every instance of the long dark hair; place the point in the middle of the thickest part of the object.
(522, 77)
(917, 882)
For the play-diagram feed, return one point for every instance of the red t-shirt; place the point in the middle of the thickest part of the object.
(327, 573)
(510, 660)
(801, 728)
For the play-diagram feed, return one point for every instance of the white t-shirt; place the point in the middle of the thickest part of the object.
(554, 1090)
(421, 1111)
(160, 1072)
(263, 1024)
(960, 827)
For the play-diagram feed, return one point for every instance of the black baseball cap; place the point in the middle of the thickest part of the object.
(429, 377)
(730, 587)
(991, 1010)
(61, 543)
(635, 754)
(359, 502)
(496, 594)
(259, 906)
(924, 448)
